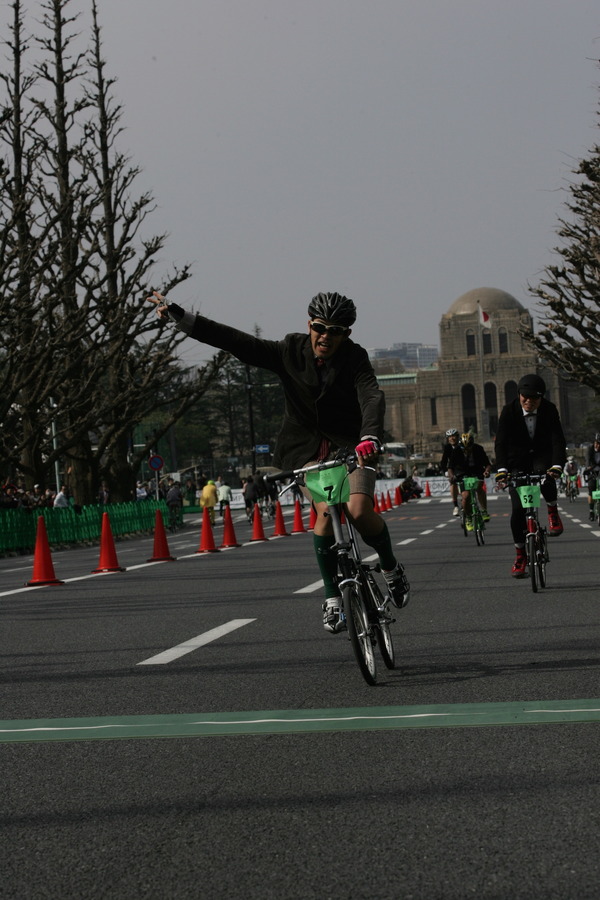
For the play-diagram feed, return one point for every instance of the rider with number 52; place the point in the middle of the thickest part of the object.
(530, 440)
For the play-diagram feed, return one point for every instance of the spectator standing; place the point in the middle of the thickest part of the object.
(224, 494)
(209, 498)
(61, 501)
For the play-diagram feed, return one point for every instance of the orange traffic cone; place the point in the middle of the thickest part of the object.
(376, 505)
(207, 541)
(298, 523)
(312, 518)
(427, 489)
(398, 496)
(229, 538)
(279, 522)
(108, 561)
(258, 532)
(43, 568)
(161, 551)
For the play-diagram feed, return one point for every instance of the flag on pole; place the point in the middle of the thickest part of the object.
(484, 319)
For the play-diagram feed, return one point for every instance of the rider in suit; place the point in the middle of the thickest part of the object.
(530, 440)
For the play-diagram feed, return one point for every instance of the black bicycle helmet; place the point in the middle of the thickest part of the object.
(532, 386)
(333, 308)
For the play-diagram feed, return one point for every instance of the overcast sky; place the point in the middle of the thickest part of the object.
(400, 151)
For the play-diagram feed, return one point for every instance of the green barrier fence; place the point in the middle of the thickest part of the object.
(18, 527)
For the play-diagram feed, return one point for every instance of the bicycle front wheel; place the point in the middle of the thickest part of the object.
(359, 631)
(532, 559)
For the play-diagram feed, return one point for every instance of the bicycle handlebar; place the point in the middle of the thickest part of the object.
(347, 459)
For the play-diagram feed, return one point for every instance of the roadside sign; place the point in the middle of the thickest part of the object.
(262, 448)
(156, 463)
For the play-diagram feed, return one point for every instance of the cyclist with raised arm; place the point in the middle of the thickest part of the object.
(452, 444)
(332, 401)
(591, 473)
(530, 440)
(469, 460)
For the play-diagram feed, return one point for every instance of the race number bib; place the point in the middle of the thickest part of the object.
(329, 485)
(529, 494)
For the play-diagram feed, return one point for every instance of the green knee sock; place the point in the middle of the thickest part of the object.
(327, 563)
(382, 544)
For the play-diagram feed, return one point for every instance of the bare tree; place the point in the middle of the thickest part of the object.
(74, 245)
(568, 335)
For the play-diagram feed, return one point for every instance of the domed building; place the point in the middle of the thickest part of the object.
(482, 357)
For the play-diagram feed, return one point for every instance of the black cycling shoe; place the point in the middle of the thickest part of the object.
(398, 586)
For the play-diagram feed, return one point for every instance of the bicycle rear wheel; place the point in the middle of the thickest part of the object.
(532, 560)
(542, 557)
(386, 645)
(383, 621)
(479, 528)
(359, 631)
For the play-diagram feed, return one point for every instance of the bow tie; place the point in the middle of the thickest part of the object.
(528, 415)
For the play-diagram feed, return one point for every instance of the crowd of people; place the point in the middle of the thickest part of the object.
(17, 496)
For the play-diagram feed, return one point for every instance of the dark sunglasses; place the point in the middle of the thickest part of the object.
(333, 330)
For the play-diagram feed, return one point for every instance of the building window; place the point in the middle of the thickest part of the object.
(487, 342)
(469, 410)
(502, 340)
(471, 348)
(510, 391)
(491, 405)
(433, 408)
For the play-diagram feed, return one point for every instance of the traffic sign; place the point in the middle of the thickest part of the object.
(156, 463)
(262, 448)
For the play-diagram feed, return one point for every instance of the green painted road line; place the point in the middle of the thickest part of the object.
(296, 721)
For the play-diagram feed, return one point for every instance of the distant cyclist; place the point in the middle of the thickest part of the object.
(452, 443)
(332, 401)
(592, 472)
(469, 460)
(570, 471)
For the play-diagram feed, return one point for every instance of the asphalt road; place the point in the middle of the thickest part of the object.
(129, 770)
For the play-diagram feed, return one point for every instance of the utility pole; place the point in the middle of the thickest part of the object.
(483, 413)
(249, 387)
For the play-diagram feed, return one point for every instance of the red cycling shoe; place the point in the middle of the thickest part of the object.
(520, 565)
(555, 526)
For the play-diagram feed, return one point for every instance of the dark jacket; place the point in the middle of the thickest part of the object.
(593, 458)
(347, 406)
(517, 452)
(463, 462)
